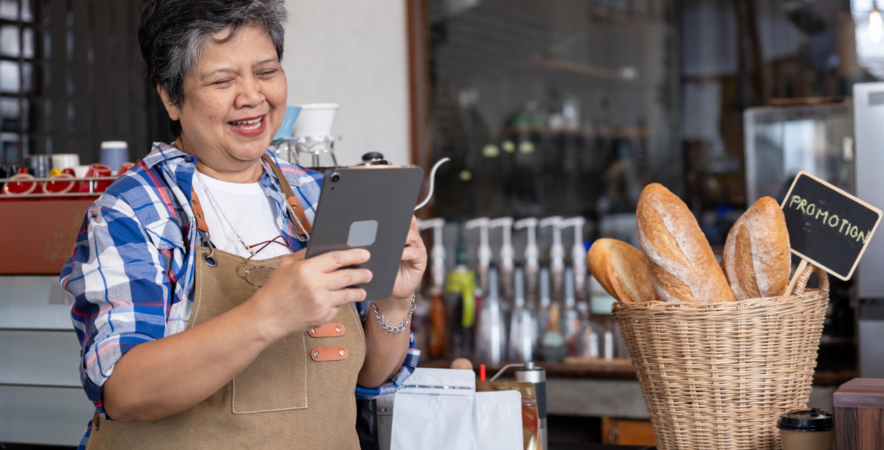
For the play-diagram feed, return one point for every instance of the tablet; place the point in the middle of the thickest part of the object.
(367, 207)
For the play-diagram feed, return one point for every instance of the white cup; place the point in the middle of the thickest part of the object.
(315, 120)
(65, 161)
(80, 171)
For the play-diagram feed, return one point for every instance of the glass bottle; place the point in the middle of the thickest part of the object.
(543, 308)
(461, 290)
(570, 316)
(491, 329)
(523, 330)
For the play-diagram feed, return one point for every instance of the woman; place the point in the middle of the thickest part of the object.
(187, 343)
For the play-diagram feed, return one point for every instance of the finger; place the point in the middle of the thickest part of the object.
(414, 234)
(333, 261)
(347, 277)
(349, 295)
(413, 254)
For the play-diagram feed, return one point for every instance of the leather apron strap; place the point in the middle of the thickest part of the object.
(292, 201)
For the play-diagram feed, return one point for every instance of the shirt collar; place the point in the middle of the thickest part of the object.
(162, 152)
(166, 153)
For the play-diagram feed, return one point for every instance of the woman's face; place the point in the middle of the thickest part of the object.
(234, 100)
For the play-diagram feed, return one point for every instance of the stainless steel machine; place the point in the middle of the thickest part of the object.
(868, 107)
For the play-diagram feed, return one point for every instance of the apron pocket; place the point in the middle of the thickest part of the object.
(282, 366)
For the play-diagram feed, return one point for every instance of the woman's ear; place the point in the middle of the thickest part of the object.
(172, 110)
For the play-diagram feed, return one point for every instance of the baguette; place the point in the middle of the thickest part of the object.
(676, 253)
(756, 259)
(619, 269)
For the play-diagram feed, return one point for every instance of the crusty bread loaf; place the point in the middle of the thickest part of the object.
(619, 269)
(676, 253)
(756, 259)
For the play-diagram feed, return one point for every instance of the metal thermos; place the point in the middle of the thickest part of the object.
(537, 376)
(39, 165)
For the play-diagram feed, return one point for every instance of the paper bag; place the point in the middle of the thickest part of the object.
(530, 423)
(434, 410)
(499, 419)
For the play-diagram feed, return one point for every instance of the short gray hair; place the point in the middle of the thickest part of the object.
(173, 32)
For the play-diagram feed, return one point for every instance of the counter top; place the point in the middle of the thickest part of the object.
(616, 370)
(561, 446)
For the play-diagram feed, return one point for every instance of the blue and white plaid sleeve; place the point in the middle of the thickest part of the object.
(411, 360)
(121, 286)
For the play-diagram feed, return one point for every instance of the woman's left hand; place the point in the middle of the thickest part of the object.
(412, 266)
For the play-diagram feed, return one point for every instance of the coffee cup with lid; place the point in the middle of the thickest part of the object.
(807, 429)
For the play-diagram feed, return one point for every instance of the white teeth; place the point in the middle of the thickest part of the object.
(248, 124)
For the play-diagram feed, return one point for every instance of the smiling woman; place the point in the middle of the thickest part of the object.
(234, 103)
(228, 70)
(182, 346)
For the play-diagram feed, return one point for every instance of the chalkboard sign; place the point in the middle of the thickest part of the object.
(827, 226)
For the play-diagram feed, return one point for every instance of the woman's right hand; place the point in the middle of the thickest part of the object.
(306, 293)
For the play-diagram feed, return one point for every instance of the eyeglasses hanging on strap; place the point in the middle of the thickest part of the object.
(258, 275)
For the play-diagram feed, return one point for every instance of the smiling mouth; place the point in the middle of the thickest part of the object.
(248, 125)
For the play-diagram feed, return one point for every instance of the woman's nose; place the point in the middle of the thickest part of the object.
(249, 95)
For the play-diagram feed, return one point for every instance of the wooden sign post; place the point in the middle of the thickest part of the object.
(828, 227)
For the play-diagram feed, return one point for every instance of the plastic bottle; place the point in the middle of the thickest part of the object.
(491, 329)
(578, 256)
(483, 253)
(461, 288)
(557, 264)
(507, 261)
(598, 336)
(532, 271)
(523, 329)
(570, 316)
(532, 253)
(437, 332)
(553, 347)
(557, 250)
(543, 307)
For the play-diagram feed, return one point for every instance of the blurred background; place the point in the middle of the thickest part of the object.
(545, 108)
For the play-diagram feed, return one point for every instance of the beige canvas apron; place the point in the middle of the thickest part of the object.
(299, 393)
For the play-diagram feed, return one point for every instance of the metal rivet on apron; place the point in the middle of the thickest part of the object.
(338, 329)
(341, 353)
(294, 206)
(198, 215)
(312, 331)
(316, 354)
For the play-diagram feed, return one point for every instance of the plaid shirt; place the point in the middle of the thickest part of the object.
(132, 267)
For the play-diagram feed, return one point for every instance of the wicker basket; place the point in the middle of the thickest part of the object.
(717, 376)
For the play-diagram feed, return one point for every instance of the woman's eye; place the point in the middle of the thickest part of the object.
(267, 73)
(221, 82)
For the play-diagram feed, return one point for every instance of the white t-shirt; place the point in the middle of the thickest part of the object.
(248, 208)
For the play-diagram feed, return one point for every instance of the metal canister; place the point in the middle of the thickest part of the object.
(537, 376)
(39, 165)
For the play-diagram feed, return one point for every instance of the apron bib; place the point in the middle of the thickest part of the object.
(298, 393)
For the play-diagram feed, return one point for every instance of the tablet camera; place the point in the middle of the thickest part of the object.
(335, 177)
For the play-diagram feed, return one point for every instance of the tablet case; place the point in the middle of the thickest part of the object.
(367, 207)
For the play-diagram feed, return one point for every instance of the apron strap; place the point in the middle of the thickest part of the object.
(300, 218)
(198, 212)
(302, 224)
